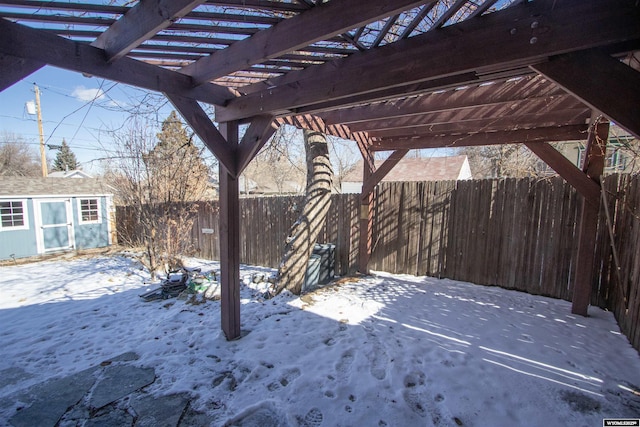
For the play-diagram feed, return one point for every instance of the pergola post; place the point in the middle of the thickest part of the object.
(593, 166)
(229, 241)
(370, 178)
(366, 215)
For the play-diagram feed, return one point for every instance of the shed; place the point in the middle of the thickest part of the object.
(44, 215)
(448, 168)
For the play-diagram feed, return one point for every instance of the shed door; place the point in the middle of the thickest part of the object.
(55, 225)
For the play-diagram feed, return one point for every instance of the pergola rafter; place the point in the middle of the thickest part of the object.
(321, 22)
(392, 76)
(141, 22)
(519, 136)
(513, 42)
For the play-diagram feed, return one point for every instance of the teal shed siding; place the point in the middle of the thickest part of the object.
(19, 243)
(93, 235)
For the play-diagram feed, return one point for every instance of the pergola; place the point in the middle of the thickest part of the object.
(390, 75)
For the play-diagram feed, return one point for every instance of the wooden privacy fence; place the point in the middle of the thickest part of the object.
(516, 234)
(264, 226)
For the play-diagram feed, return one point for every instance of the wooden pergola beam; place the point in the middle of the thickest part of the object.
(35, 45)
(600, 81)
(207, 131)
(522, 35)
(391, 93)
(323, 21)
(140, 23)
(563, 133)
(525, 89)
(14, 69)
(471, 121)
(567, 170)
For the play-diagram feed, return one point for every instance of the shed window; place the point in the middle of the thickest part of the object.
(13, 215)
(89, 210)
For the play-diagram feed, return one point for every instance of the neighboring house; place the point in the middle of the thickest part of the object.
(412, 169)
(42, 215)
(77, 173)
(271, 188)
(619, 158)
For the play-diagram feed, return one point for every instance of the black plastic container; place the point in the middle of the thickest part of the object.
(327, 253)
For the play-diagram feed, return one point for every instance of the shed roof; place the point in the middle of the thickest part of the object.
(24, 186)
(415, 169)
(77, 173)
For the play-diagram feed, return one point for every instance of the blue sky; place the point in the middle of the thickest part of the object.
(83, 111)
(79, 109)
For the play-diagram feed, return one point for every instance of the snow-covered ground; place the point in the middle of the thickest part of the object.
(386, 350)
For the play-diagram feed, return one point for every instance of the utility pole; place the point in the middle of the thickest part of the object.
(43, 158)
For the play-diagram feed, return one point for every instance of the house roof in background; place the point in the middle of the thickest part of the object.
(416, 169)
(24, 186)
(76, 173)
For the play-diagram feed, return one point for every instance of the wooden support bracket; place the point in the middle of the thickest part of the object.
(259, 132)
(600, 81)
(14, 69)
(380, 172)
(206, 130)
(588, 188)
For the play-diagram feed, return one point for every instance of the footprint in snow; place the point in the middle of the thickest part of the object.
(423, 403)
(313, 418)
(329, 342)
(289, 376)
(344, 364)
(265, 414)
(378, 358)
(232, 378)
(448, 363)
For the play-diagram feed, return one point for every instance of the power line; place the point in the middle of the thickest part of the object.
(89, 104)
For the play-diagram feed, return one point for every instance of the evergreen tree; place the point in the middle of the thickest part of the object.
(65, 159)
(154, 176)
(177, 171)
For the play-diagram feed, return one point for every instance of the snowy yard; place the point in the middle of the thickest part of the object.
(386, 350)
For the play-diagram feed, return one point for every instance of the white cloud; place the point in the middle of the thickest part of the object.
(86, 95)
